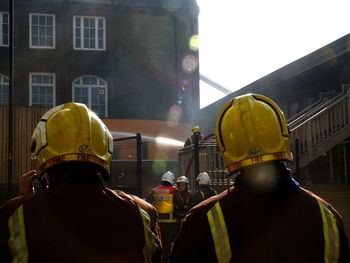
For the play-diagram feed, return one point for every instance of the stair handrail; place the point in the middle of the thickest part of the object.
(312, 111)
(321, 99)
(325, 107)
(301, 114)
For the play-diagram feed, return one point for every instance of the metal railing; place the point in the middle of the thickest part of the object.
(314, 131)
(210, 161)
(126, 165)
(320, 129)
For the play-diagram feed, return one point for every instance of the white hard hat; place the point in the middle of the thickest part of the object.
(182, 179)
(168, 177)
(203, 178)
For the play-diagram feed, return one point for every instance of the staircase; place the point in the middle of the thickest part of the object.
(320, 127)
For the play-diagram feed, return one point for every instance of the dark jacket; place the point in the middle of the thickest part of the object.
(204, 192)
(81, 222)
(188, 202)
(281, 226)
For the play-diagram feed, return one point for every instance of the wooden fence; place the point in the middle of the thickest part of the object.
(25, 120)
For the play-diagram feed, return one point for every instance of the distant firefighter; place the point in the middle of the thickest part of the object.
(75, 218)
(167, 201)
(266, 216)
(196, 133)
(182, 184)
(204, 190)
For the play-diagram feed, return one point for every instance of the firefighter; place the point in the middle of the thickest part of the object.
(182, 184)
(196, 133)
(167, 201)
(204, 191)
(266, 216)
(75, 218)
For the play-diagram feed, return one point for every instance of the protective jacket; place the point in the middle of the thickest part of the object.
(241, 225)
(79, 222)
(168, 201)
(203, 193)
(188, 202)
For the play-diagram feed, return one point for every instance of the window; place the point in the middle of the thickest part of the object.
(4, 29)
(89, 33)
(42, 31)
(42, 89)
(4, 90)
(92, 91)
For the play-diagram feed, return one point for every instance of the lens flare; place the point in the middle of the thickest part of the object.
(175, 113)
(159, 166)
(189, 63)
(194, 43)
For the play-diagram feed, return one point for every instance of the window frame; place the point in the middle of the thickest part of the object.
(53, 87)
(82, 33)
(3, 76)
(8, 28)
(53, 31)
(89, 86)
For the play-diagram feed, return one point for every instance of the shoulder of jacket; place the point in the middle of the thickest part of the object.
(206, 205)
(134, 200)
(310, 194)
(10, 206)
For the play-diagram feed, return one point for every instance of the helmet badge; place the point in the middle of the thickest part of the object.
(83, 148)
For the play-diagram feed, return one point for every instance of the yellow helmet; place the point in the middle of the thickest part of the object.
(196, 129)
(251, 129)
(71, 132)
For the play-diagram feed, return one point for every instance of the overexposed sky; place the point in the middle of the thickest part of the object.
(244, 40)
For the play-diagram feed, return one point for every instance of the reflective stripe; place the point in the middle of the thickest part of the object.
(17, 241)
(72, 157)
(259, 159)
(150, 243)
(330, 233)
(202, 194)
(219, 233)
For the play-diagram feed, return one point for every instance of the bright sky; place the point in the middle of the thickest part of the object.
(244, 40)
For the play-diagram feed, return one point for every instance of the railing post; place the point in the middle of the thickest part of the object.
(297, 159)
(139, 164)
(196, 154)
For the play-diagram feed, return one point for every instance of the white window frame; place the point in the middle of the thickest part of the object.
(89, 92)
(3, 76)
(53, 31)
(53, 87)
(96, 33)
(8, 29)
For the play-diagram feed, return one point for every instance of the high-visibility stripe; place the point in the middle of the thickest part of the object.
(150, 243)
(259, 159)
(17, 241)
(219, 232)
(330, 233)
(202, 194)
(73, 157)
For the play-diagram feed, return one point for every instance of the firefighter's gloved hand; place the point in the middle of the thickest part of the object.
(26, 183)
